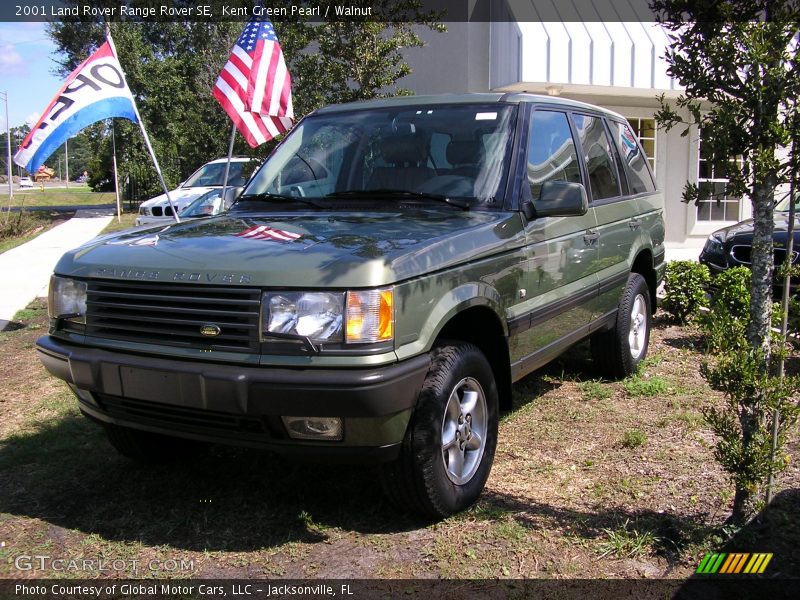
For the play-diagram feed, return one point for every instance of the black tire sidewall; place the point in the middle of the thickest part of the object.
(451, 364)
(636, 286)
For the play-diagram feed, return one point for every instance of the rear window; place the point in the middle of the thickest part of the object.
(634, 159)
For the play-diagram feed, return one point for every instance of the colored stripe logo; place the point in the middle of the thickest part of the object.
(734, 563)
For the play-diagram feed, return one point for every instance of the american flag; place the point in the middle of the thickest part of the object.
(262, 232)
(254, 87)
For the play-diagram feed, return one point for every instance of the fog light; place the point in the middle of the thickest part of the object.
(313, 428)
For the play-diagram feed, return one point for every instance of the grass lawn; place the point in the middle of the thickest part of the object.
(592, 479)
(126, 222)
(79, 195)
(20, 227)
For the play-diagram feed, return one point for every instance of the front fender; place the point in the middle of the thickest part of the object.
(433, 314)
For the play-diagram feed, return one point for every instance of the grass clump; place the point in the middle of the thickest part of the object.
(626, 542)
(634, 438)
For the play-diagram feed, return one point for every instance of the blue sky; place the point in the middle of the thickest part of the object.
(26, 71)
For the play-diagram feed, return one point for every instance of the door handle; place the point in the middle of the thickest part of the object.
(635, 223)
(591, 237)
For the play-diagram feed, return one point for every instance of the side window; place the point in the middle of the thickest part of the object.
(633, 158)
(597, 155)
(551, 151)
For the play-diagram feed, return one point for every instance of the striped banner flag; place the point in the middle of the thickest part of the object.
(255, 87)
(263, 232)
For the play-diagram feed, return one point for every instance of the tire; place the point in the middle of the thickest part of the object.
(150, 448)
(449, 445)
(617, 353)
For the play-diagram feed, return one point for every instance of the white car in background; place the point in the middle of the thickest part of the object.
(206, 178)
(25, 182)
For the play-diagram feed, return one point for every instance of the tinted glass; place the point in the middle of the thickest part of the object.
(597, 155)
(458, 151)
(214, 174)
(551, 151)
(633, 159)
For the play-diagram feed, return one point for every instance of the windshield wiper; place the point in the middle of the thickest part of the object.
(388, 193)
(277, 198)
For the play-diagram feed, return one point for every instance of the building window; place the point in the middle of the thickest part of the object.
(645, 130)
(712, 181)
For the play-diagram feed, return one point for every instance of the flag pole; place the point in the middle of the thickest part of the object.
(228, 164)
(144, 134)
(116, 179)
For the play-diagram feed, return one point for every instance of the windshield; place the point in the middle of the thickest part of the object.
(783, 205)
(206, 205)
(213, 174)
(393, 155)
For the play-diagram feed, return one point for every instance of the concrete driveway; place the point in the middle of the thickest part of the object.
(25, 270)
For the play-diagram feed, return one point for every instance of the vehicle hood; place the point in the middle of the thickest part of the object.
(742, 232)
(180, 196)
(299, 249)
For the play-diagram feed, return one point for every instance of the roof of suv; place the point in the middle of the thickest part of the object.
(474, 98)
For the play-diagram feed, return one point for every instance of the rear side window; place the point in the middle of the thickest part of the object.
(551, 151)
(597, 154)
(633, 158)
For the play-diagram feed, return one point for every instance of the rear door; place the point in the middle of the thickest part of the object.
(560, 280)
(614, 208)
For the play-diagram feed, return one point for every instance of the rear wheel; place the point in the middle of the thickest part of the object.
(449, 446)
(150, 448)
(618, 352)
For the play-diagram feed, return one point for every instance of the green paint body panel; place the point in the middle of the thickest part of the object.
(539, 281)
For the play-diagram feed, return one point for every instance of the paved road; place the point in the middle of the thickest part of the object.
(25, 270)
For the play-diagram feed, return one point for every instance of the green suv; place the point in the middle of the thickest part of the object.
(387, 274)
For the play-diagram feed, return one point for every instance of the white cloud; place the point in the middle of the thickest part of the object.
(32, 119)
(11, 62)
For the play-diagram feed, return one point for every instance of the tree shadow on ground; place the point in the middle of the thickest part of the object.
(775, 530)
(232, 499)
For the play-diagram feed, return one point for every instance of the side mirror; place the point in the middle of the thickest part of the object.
(558, 199)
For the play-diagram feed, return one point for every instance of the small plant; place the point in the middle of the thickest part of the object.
(595, 390)
(645, 386)
(731, 295)
(625, 542)
(685, 288)
(633, 438)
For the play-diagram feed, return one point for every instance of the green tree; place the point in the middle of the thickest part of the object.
(738, 62)
(171, 68)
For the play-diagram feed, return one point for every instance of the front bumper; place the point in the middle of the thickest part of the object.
(242, 405)
(148, 220)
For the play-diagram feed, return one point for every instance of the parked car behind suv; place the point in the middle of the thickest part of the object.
(385, 277)
(731, 246)
(208, 177)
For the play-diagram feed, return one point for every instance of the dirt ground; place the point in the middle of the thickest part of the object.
(592, 479)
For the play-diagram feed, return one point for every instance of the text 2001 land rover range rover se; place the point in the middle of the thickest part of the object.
(384, 278)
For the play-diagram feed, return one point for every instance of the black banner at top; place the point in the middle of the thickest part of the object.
(328, 10)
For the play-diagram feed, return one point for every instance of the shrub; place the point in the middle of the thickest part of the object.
(633, 438)
(684, 286)
(732, 293)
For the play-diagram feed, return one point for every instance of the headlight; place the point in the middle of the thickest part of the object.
(313, 315)
(715, 242)
(67, 299)
(326, 317)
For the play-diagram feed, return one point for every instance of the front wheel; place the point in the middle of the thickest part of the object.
(449, 446)
(618, 352)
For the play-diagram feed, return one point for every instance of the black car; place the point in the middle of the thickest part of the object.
(731, 246)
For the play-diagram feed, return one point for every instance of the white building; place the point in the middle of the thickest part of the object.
(617, 65)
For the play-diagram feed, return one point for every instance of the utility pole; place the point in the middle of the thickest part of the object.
(4, 95)
(66, 162)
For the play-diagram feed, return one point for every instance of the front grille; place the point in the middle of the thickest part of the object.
(156, 211)
(173, 314)
(181, 417)
(742, 255)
